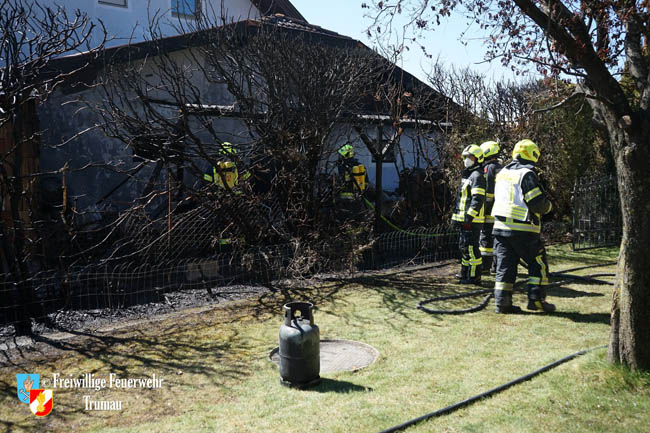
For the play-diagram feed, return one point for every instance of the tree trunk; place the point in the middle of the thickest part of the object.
(630, 317)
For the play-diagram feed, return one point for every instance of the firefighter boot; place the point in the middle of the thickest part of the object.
(503, 302)
(537, 300)
(462, 275)
(476, 279)
(544, 306)
(507, 309)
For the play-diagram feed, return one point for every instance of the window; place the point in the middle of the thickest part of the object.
(189, 8)
(114, 2)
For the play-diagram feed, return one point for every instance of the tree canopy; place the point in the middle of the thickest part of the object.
(605, 46)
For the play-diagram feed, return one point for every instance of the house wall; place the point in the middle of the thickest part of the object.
(125, 23)
(100, 170)
(67, 114)
(414, 146)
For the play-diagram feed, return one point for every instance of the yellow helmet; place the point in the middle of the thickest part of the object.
(474, 151)
(227, 148)
(346, 151)
(526, 149)
(490, 148)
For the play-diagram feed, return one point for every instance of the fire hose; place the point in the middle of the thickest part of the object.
(468, 401)
(451, 408)
(490, 292)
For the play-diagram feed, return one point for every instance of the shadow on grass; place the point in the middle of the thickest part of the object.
(319, 293)
(338, 386)
(194, 351)
(584, 318)
(401, 293)
(584, 257)
(565, 292)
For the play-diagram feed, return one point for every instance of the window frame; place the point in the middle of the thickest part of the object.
(192, 15)
(114, 3)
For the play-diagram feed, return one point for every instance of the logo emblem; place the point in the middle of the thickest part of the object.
(24, 383)
(41, 401)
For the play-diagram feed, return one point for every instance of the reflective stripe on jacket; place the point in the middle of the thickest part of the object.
(508, 195)
(518, 200)
(226, 171)
(491, 169)
(471, 197)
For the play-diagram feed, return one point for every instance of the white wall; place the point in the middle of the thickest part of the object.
(130, 22)
(412, 152)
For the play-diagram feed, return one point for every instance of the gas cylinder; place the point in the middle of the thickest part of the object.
(299, 346)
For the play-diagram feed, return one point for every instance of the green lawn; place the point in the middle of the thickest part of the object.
(217, 376)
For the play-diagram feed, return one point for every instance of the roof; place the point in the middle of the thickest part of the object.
(134, 51)
(284, 7)
(299, 27)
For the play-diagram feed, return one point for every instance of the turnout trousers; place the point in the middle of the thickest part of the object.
(487, 245)
(507, 251)
(470, 251)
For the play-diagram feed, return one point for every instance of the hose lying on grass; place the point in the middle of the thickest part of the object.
(483, 304)
(456, 406)
(490, 292)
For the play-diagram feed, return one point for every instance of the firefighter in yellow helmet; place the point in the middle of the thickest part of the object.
(225, 173)
(351, 173)
(519, 203)
(469, 214)
(491, 167)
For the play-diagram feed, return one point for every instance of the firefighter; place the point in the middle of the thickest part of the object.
(228, 179)
(469, 214)
(225, 174)
(491, 167)
(351, 172)
(519, 203)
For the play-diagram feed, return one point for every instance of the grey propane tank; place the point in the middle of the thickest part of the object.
(299, 346)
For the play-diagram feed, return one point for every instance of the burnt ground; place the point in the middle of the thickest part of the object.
(67, 323)
(89, 321)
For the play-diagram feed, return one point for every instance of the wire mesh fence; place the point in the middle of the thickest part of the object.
(117, 286)
(597, 220)
(401, 248)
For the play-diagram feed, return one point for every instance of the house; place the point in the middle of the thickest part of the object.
(97, 186)
(126, 21)
(88, 177)
(85, 173)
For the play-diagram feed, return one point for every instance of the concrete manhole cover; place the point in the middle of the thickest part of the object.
(340, 355)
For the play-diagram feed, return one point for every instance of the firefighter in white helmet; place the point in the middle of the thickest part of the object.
(469, 214)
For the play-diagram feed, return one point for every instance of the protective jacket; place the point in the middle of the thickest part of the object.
(486, 242)
(519, 200)
(226, 171)
(471, 197)
(353, 176)
(490, 169)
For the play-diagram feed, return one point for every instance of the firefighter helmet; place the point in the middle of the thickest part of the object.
(227, 148)
(526, 149)
(475, 151)
(490, 148)
(346, 151)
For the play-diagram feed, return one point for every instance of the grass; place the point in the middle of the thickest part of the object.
(217, 376)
